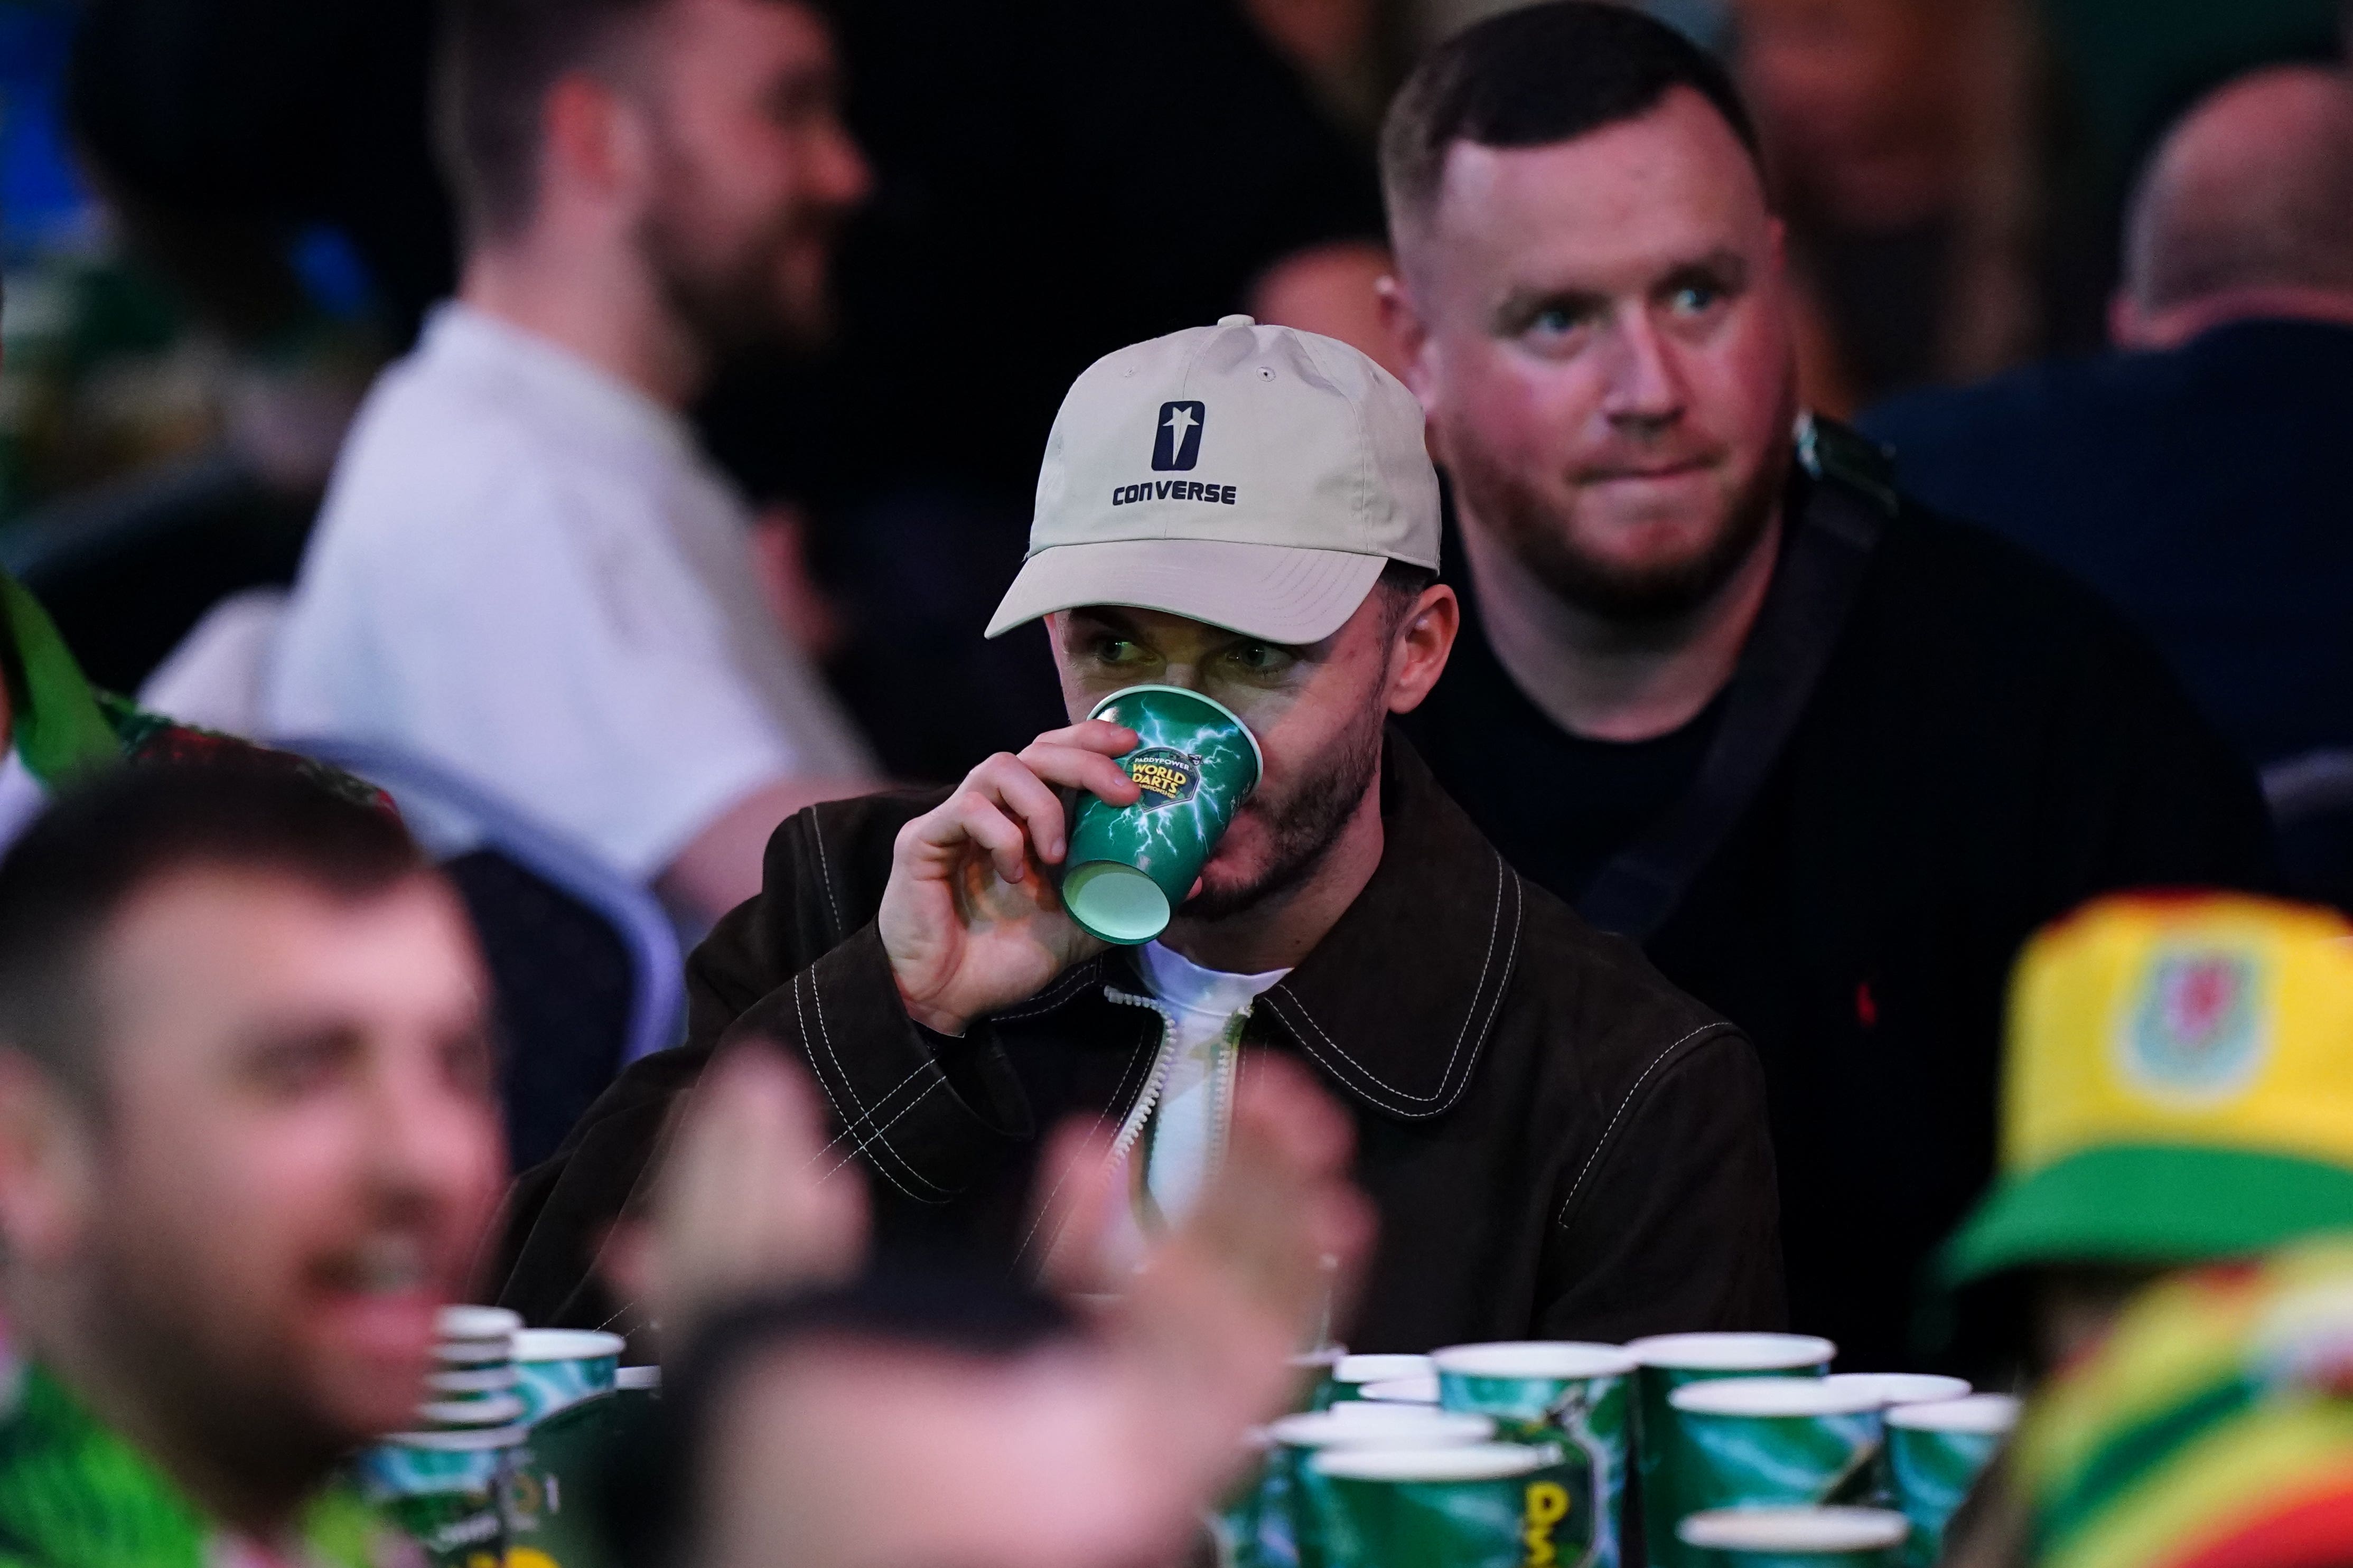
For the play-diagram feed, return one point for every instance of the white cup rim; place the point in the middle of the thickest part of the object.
(460, 1440)
(1471, 1462)
(566, 1344)
(1379, 1368)
(489, 1410)
(1536, 1358)
(1991, 1413)
(1896, 1388)
(463, 1320)
(1412, 1426)
(1794, 1530)
(1422, 1388)
(1733, 1352)
(1770, 1397)
(643, 1378)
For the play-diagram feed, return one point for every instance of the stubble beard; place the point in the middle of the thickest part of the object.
(734, 304)
(1306, 827)
(1532, 526)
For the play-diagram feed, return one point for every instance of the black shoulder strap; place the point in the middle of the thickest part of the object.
(1850, 501)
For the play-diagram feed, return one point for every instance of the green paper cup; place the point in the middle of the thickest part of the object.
(1669, 1362)
(443, 1490)
(1561, 1391)
(1355, 1373)
(1486, 1505)
(1130, 866)
(1759, 1442)
(1894, 1389)
(1291, 1515)
(566, 1462)
(1793, 1537)
(564, 1366)
(1936, 1453)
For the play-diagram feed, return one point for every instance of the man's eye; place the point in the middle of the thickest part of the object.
(1258, 658)
(1696, 299)
(1116, 650)
(1557, 320)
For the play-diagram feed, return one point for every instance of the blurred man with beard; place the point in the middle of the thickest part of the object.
(525, 569)
(248, 1140)
(1828, 759)
(1557, 1142)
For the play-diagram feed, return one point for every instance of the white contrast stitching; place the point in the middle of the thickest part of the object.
(910, 1105)
(1047, 1207)
(819, 1074)
(1494, 1006)
(1603, 1142)
(817, 999)
(825, 875)
(1053, 996)
(921, 1068)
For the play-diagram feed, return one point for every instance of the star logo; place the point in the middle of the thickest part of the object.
(1177, 444)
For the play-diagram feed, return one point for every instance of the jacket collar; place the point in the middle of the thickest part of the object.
(1397, 1003)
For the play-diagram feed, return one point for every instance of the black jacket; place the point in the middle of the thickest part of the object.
(1559, 1143)
(1987, 747)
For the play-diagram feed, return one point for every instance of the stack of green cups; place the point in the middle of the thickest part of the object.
(1669, 1362)
(1936, 1452)
(443, 1483)
(1558, 1391)
(1130, 866)
(1483, 1505)
(1793, 1537)
(1355, 1374)
(1292, 1518)
(560, 1367)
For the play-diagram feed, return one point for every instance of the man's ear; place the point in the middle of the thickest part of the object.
(592, 142)
(47, 1165)
(1424, 635)
(1409, 335)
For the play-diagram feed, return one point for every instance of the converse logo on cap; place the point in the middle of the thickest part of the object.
(1178, 443)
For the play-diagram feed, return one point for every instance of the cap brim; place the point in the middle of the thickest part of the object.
(1278, 592)
(2149, 1204)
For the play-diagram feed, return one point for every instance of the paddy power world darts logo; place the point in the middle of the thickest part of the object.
(1167, 777)
(2198, 1031)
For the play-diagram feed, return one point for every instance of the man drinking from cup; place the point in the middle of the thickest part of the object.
(1244, 517)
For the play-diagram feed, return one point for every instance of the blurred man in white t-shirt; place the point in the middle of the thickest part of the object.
(525, 569)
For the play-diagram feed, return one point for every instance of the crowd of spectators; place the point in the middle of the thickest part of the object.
(1781, 560)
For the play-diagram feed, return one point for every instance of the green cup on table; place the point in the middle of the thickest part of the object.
(1481, 1505)
(1793, 1537)
(1293, 1515)
(557, 1367)
(1130, 866)
(1936, 1453)
(1563, 1391)
(1754, 1442)
(1669, 1362)
(446, 1490)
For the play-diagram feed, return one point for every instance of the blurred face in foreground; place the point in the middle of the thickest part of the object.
(1599, 329)
(1317, 713)
(752, 170)
(250, 1220)
(844, 1455)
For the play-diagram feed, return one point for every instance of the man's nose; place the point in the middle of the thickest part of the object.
(432, 1143)
(1643, 390)
(844, 174)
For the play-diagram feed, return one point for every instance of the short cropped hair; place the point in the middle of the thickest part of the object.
(1532, 78)
(499, 59)
(108, 839)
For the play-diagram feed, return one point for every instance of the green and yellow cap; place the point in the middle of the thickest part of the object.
(2175, 1086)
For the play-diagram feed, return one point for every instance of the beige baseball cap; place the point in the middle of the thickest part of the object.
(1254, 477)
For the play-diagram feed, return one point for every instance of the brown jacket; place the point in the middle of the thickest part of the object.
(1559, 1143)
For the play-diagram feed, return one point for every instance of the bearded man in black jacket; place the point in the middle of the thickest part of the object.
(1558, 1144)
(1830, 759)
